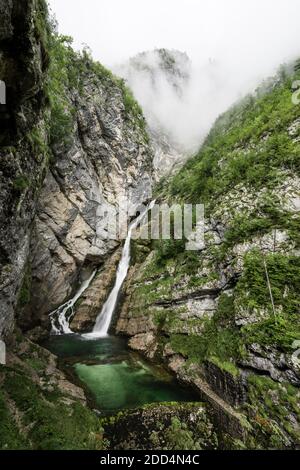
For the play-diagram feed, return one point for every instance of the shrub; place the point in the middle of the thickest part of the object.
(236, 150)
(21, 183)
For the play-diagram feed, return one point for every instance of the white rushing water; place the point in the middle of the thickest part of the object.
(62, 316)
(105, 317)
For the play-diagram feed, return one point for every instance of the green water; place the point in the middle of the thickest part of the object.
(115, 377)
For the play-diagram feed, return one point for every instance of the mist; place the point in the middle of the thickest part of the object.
(233, 45)
(184, 103)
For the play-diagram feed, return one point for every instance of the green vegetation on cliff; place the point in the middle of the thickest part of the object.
(69, 73)
(163, 426)
(37, 412)
(234, 305)
(250, 144)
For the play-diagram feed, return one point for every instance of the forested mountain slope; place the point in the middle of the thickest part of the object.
(210, 314)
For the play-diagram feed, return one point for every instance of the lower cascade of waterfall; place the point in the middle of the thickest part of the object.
(105, 317)
(62, 316)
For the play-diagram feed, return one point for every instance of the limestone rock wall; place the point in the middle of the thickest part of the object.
(72, 140)
(23, 66)
(107, 158)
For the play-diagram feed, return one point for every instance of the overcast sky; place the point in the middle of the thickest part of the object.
(246, 40)
(257, 34)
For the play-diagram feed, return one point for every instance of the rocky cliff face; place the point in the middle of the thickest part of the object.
(106, 158)
(31, 380)
(73, 140)
(23, 65)
(226, 318)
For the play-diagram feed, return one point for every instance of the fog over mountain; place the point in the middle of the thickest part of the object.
(219, 53)
(180, 99)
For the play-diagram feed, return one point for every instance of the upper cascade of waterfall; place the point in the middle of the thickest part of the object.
(105, 317)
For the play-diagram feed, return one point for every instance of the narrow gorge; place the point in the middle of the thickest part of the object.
(126, 343)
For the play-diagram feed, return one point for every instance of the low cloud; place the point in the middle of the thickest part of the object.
(233, 45)
(181, 99)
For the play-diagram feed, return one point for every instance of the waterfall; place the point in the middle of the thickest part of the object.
(61, 317)
(104, 318)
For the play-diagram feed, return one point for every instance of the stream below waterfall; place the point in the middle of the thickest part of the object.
(115, 377)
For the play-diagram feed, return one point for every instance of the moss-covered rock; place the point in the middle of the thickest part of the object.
(39, 408)
(165, 426)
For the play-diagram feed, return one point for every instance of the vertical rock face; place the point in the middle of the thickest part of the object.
(23, 63)
(72, 141)
(24, 60)
(106, 158)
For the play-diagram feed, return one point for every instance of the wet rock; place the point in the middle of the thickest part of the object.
(38, 334)
(92, 300)
(106, 160)
(145, 343)
(232, 387)
(6, 28)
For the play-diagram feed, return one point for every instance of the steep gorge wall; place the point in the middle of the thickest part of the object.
(72, 140)
(105, 157)
(23, 66)
(208, 314)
